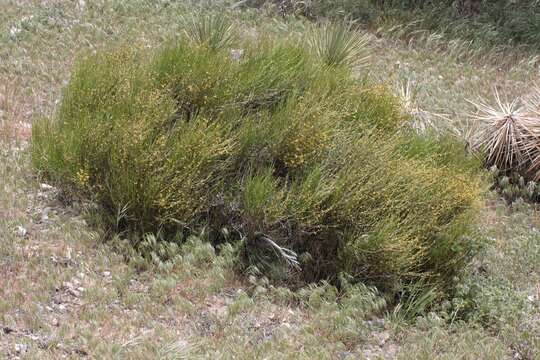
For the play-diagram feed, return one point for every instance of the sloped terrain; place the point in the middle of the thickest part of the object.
(64, 292)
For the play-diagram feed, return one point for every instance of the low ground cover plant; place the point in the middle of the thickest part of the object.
(310, 172)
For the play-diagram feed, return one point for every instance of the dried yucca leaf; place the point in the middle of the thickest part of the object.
(532, 106)
(420, 121)
(532, 102)
(507, 134)
(423, 121)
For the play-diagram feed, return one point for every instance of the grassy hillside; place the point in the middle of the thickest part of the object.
(483, 23)
(77, 290)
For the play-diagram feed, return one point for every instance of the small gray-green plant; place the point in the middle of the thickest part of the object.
(213, 30)
(339, 44)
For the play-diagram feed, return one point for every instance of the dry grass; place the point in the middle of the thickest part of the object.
(423, 121)
(123, 313)
(14, 112)
(458, 49)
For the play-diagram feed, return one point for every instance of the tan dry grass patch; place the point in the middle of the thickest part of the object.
(15, 110)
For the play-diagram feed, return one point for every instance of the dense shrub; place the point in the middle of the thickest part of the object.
(274, 151)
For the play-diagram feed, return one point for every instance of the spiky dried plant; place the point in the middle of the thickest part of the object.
(339, 43)
(423, 121)
(532, 102)
(532, 106)
(508, 135)
(420, 122)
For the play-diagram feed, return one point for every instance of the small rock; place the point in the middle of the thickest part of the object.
(68, 253)
(376, 322)
(55, 322)
(344, 354)
(14, 31)
(236, 54)
(368, 354)
(21, 348)
(21, 231)
(73, 292)
(81, 352)
(382, 337)
(7, 330)
(46, 187)
(106, 273)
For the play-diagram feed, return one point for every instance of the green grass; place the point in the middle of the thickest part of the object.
(501, 24)
(195, 304)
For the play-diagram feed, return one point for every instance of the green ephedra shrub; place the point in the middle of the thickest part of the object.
(310, 172)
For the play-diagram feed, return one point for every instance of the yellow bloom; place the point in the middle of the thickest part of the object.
(82, 177)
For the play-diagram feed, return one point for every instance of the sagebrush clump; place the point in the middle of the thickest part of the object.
(309, 171)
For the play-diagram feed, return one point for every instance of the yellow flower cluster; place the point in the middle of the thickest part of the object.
(82, 178)
(306, 139)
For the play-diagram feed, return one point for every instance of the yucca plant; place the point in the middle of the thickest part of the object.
(532, 106)
(508, 135)
(339, 44)
(210, 30)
